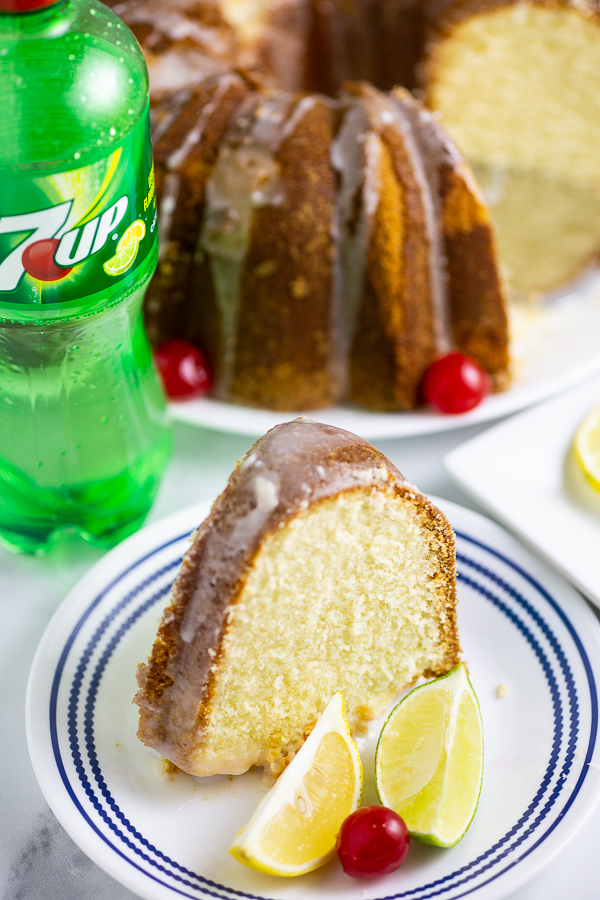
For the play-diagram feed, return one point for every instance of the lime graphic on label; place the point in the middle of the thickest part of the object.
(127, 249)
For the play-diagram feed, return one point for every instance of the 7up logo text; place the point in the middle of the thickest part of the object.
(47, 251)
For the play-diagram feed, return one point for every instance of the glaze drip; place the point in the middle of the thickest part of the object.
(355, 156)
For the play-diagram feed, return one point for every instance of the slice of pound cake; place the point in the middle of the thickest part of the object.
(319, 569)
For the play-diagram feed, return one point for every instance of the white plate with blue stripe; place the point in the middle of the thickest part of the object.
(532, 646)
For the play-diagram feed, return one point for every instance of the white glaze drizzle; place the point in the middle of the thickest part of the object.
(416, 121)
(241, 537)
(355, 155)
(248, 461)
(439, 292)
(182, 67)
(305, 105)
(172, 20)
(195, 134)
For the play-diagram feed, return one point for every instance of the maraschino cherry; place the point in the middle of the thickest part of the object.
(455, 383)
(372, 841)
(183, 368)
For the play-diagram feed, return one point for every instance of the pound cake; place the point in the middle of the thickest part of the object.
(516, 83)
(320, 249)
(319, 569)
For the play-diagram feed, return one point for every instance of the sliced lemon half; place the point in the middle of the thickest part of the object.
(295, 827)
(429, 759)
(127, 249)
(586, 447)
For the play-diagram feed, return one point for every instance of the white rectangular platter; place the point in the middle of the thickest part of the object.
(523, 472)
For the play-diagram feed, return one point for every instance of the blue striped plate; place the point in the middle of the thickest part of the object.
(533, 651)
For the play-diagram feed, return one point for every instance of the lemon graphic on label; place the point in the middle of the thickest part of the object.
(127, 249)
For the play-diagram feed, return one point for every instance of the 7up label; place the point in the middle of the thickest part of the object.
(70, 235)
(48, 253)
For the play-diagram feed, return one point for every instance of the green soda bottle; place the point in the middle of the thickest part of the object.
(84, 438)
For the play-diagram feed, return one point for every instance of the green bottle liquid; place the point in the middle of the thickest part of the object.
(84, 438)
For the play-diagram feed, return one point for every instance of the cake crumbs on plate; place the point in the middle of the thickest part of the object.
(502, 690)
(167, 768)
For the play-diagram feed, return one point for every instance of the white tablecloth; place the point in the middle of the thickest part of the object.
(38, 861)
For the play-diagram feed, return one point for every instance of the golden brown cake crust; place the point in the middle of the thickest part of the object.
(394, 340)
(477, 298)
(288, 279)
(293, 467)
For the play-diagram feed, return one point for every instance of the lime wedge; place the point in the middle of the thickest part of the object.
(586, 447)
(429, 759)
(295, 827)
(127, 249)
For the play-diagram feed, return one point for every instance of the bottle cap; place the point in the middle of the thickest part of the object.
(24, 5)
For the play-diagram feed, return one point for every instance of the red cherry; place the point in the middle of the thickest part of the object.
(183, 369)
(372, 841)
(455, 383)
(38, 261)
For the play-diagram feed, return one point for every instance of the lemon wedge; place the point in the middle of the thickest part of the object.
(429, 759)
(295, 827)
(127, 249)
(586, 447)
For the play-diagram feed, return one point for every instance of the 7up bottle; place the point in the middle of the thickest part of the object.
(83, 435)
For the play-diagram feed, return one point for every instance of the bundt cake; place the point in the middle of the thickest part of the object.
(516, 83)
(319, 569)
(320, 249)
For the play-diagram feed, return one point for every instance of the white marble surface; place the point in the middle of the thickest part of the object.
(38, 861)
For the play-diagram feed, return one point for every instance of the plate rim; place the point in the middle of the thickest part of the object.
(219, 416)
(142, 539)
(231, 418)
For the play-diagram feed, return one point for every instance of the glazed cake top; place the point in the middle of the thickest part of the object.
(292, 466)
